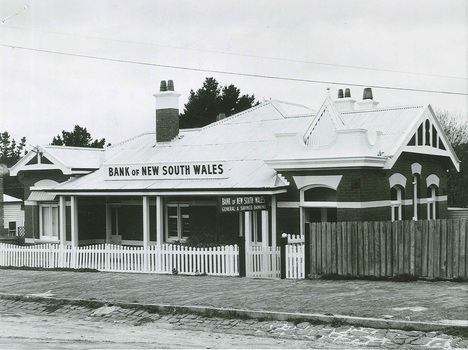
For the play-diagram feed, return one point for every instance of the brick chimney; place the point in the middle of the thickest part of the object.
(167, 112)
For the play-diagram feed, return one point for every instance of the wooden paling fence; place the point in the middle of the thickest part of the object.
(426, 248)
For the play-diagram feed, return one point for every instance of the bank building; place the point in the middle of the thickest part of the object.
(256, 174)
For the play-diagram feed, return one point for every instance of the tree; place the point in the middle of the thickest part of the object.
(205, 104)
(79, 137)
(10, 151)
(457, 133)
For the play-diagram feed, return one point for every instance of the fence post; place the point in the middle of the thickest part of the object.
(241, 243)
(307, 250)
(284, 243)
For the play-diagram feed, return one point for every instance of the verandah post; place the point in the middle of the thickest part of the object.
(307, 250)
(241, 243)
(284, 243)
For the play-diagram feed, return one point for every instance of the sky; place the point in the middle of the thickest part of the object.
(97, 64)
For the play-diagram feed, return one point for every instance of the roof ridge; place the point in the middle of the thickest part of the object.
(130, 139)
(383, 109)
(234, 115)
(81, 148)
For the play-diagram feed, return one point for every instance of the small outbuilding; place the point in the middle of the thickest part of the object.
(13, 216)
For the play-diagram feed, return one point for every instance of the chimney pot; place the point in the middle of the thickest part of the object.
(170, 85)
(367, 94)
(340, 93)
(163, 86)
(347, 93)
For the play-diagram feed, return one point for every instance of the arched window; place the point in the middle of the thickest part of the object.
(416, 169)
(319, 204)
(396, 198)
(428, 132)
(416, 195)
(431, 202)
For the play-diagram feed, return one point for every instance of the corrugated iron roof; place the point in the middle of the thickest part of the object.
(76, 157)
(244, 141)
(40, 196)
(392, 122)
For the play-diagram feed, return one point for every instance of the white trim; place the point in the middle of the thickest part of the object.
(402, 145)
(354, 205)
(432, 180)
(332, 162)
(330, 181)
(397, 179)
(426, 150)
(288, 205)
(416, 168)
(319, 204)
(171, 194)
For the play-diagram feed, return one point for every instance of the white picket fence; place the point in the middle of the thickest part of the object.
(265, 262)
(294, 239)
(166, 259)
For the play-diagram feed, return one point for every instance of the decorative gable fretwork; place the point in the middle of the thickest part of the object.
(427, 135)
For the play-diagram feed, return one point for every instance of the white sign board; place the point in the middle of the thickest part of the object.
(161, 171)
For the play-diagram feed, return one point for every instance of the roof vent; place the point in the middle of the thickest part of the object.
(340, 93)
(220, 116)
(163, 86)
(367, 94)
(347, 93)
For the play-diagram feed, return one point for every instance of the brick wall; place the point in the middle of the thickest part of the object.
(167, 124)
(367, 185)
(31, 212)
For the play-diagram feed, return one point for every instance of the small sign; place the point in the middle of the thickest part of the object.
(161, 171)
(242, 203)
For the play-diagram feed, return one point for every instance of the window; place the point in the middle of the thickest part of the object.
(416, 195)
(396, 197)
(319, 204)
(177, 221)
(49, 220)
(431, 202)
(11, 228)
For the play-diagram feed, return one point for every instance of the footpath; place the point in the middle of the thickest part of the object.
(363, 313)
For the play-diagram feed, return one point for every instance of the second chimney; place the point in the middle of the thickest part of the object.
(167, 112)
(367, 101)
